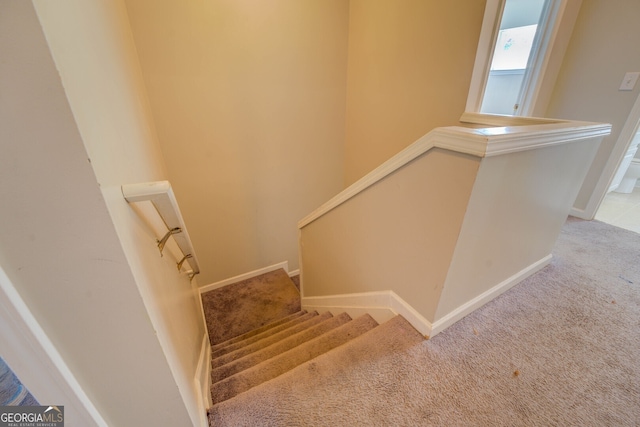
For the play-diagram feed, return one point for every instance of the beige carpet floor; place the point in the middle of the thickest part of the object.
(562, 348)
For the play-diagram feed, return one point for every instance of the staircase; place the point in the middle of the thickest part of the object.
(254, 359)
(290, 344)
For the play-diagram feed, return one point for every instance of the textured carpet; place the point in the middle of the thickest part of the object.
(296, 281)
(224, 346)
(260, 339)
(12, 392)
(241, 307)
(281, 363)
(275, 344)
(560, 348)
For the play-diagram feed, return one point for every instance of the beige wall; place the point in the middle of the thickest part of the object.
(597, 57)
(410, 65)
(248, 98)
(74, 128)
(444, 231)
(398, 234)
(261, 118)
(519, 204)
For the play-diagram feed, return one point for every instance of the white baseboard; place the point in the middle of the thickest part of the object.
(294, 272)
(203, 380)
(383, 305)
(580, 213)
(206, 288)
(477, 302)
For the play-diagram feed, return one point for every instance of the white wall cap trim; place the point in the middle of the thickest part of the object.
(501, 135)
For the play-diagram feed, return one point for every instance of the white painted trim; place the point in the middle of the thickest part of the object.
(381, 305)
(206, 288)
(548, 28)
(36, 361)
(418, 321)
(613, 163)
(504, 120)
(294, 272)
(203, 316)
(484, 54)
(552, 134)
(566, 19)
(202, 380)
(507, 134)
(477, 302)
(579, 213)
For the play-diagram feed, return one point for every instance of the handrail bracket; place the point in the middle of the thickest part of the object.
(184, 258)
(164, 239)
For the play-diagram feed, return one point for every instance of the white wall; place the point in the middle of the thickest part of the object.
(74, 128)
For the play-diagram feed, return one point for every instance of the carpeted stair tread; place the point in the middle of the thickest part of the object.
(350, 373)
(243, 306)
(237, 345)
(272, 368)
(246, 362)
(258, 330)
(269, 340)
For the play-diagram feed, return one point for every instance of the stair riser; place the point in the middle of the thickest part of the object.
(258, 331)
(268, 341)
(237, 345)
(267, 353)
(265, 371)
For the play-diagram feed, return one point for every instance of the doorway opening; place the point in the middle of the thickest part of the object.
(620, 205)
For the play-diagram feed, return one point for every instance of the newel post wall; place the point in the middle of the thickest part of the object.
(520, 202)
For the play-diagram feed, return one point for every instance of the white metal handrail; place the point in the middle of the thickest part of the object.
(161, 195)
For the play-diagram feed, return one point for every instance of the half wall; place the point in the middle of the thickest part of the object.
(450, 222)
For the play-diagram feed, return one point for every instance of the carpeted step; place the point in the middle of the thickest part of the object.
(269, 340)
(237, 345)
(248, 304)
(269, 369)
(258, 330)
(246, 362)
(369, 372)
